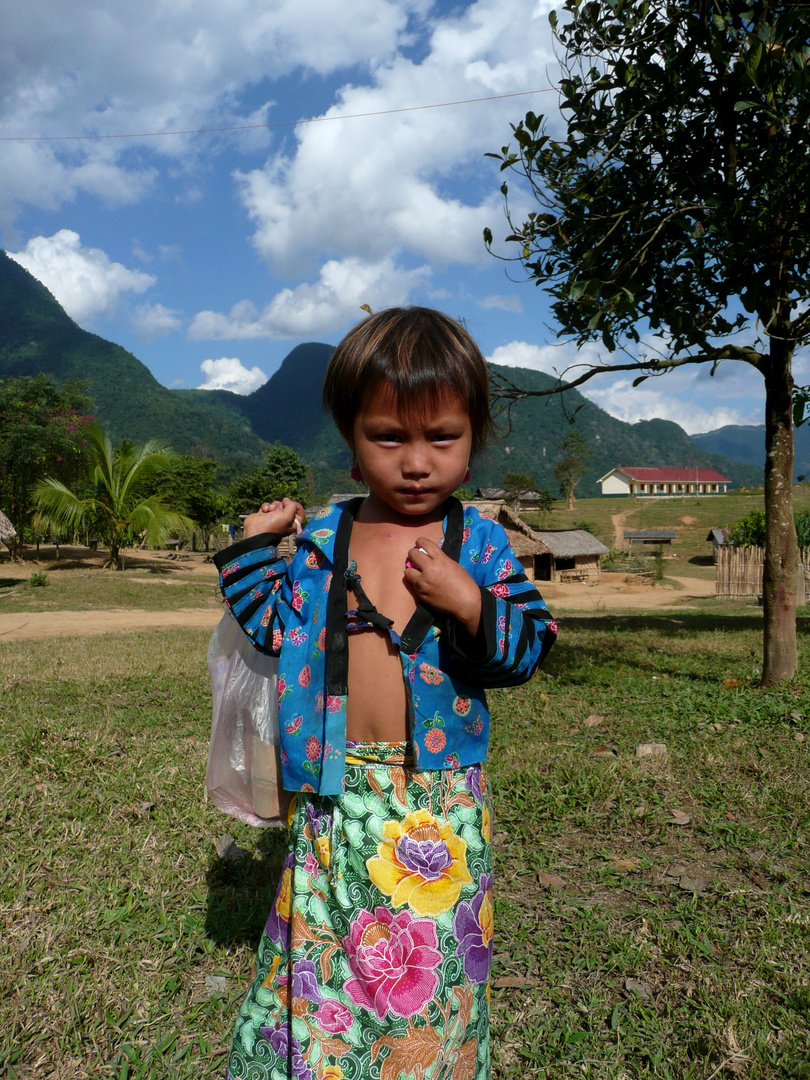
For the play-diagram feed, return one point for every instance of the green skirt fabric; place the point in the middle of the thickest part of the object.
(375, 960)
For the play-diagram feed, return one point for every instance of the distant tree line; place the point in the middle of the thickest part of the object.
(61, 475)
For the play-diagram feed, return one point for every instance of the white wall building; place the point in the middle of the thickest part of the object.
(629, 480)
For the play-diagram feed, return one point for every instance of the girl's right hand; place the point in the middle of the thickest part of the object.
(283, 517)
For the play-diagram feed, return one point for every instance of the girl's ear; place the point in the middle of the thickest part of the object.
(356, 474)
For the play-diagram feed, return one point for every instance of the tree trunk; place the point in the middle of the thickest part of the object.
(570, 499)
(781, 550)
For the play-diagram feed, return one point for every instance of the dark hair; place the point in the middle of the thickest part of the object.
(420, 354)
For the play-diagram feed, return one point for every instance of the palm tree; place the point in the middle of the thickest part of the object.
(116, 508)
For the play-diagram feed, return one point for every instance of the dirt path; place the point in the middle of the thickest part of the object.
(611, 593)
(26, 626)
(618, 528)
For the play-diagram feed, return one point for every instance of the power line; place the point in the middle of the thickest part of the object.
(274, 124)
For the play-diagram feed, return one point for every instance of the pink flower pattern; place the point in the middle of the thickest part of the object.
(393, 960)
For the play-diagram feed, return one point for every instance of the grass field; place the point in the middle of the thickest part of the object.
(691, 518)
(653, 913)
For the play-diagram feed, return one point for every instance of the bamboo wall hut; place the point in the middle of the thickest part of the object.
(522, 537)
(548, 554)
(572, 555)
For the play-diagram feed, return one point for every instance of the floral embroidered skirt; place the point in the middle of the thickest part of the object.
(375, 960)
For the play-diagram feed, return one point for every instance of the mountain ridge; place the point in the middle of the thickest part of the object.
(37, 335)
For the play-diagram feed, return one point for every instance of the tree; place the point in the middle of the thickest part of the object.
(517, 484)
(677, 204)
(186, 484)
(572, 466)
(749, 531)
(42, 432)
(115, 507)
(280, 474)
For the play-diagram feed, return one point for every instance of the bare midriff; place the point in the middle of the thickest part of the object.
(377, 703)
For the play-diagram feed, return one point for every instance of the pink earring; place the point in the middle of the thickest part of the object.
(467, 476)
(356, 474)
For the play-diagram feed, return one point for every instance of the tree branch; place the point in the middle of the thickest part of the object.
(506, 390)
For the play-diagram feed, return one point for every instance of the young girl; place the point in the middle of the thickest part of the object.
(396, 613)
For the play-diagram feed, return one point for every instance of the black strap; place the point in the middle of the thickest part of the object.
(337, 638)
(365, 610)
(423, 618)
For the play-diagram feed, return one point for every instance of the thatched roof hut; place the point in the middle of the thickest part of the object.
(547, 554)
(570, 543)
(573, 555)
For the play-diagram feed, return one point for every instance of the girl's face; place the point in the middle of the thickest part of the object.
(412, 462)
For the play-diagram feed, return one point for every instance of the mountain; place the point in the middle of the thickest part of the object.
(536, 425)
(36, 335)
(747, 445)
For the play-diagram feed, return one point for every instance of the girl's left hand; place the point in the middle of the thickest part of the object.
(443, 584)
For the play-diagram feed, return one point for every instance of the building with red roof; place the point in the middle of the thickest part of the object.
(629, 480)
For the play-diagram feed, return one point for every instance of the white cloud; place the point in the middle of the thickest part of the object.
(85, 281)
(564, 358)
(308, 310)
(670, 402)
(503, 303)
(228, 373)
(171, 253)
(140, 252)
(112, 68)
(689, 395)
(153, 321)
(372, 186)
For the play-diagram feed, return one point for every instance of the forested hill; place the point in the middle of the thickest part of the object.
(36, 335)
(747, 444)
(288, 408)
(536, 425)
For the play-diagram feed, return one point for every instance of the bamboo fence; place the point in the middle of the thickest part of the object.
(739, 571)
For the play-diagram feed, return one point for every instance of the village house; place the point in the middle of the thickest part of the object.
(629, 480)
(547, 554)
(658, 538)
(527, 500)
(718, 538)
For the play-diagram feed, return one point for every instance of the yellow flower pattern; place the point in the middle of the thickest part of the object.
(421, 862)
(284, 896)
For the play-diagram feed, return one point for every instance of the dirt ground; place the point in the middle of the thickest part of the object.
(612, 592)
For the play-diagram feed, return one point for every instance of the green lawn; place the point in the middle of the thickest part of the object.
(693, 552)
(67, 588)
(653, 914)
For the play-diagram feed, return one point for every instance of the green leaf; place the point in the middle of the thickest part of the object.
(488, 237)
(739, 106)
(640, 380)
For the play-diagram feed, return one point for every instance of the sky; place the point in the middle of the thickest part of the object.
(266, 167)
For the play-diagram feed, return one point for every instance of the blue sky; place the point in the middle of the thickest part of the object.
(211, 255)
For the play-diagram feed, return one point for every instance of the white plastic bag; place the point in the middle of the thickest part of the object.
(243, 776)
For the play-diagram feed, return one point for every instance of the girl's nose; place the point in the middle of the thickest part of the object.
(416, 462)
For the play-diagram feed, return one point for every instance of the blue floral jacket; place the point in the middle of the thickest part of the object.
(299, 614)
